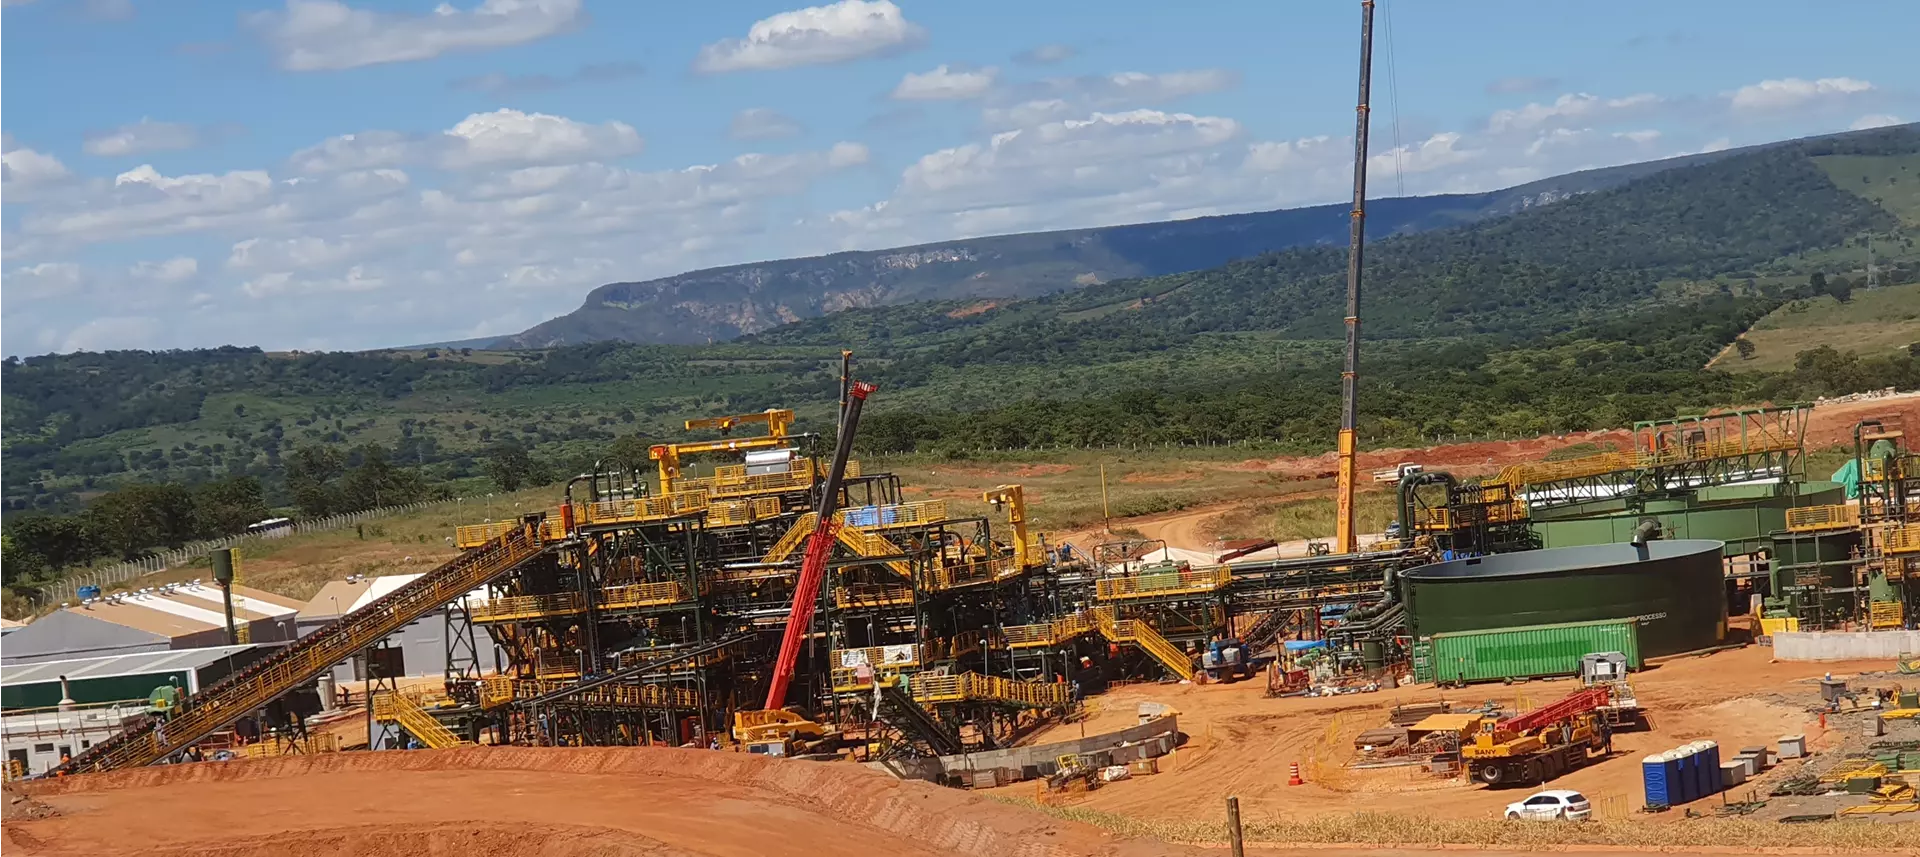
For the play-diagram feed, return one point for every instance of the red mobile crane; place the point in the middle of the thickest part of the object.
(813, 568)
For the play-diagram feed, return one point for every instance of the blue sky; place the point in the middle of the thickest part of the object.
(316, 174)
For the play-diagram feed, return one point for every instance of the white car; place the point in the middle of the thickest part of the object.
(1551, 805)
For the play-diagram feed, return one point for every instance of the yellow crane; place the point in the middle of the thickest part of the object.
(1012, 499)
(777, 421)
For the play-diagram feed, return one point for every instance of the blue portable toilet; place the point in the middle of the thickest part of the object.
(1653, 775)
(1715, 779)
(1685, 775)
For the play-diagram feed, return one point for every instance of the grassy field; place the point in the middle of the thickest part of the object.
(1873, 322)
(1893, 181)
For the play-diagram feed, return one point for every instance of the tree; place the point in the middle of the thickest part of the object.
(311, 471)
(1745, 347)
(228, 506)
(140, 516)
(376, 482)
(1817, 284)
(509, 466)
(630, 452)
(1841, 288)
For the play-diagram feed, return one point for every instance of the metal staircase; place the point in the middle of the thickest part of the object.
(1143, 635)
(273, 676)
(903, 713)
(405, 710)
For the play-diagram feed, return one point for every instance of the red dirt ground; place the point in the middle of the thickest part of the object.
(1241, 742)
(546, 801)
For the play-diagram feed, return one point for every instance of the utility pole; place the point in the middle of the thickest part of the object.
(1345, 539)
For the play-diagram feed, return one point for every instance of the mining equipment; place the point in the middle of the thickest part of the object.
(1541, 744)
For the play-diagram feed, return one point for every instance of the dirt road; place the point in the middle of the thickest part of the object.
(1243, 742)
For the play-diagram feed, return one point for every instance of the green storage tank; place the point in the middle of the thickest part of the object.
(1532, 652)
(1673, 590)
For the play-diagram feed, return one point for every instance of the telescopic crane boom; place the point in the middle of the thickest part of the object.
(806, 592)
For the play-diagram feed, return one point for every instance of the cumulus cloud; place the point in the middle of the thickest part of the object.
(498, 83)
(945, 83)
(840, 32)
(109, 333)
(43, 280)
(25, 172)
(763, 123)
(1874, 120)
(1045, 55)
(501, 138)
(327, 35)
(145, 135)
(1773, 96)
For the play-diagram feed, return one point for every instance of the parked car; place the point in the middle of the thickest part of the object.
(1393, 530)
(1551, 805)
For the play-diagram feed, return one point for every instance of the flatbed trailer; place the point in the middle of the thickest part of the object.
(1532, 768)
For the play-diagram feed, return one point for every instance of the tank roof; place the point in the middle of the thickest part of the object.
(1561, 560)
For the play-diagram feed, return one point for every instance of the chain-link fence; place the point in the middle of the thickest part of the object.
(108, 576)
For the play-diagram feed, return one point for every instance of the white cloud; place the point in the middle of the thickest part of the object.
(1062, 98)
(944, 83)
(512, 137)
(1874, 120)
(1645, 135)
(1572, 107)
(324, 35)
(763, 123)
(500, 138)
(24, 172)
(145, 135)
(844, 31)
(142, 202)
(175, 270)
(109, 333)
(43, 280)
(1791, 93)
(1045, 55)
(1512, 85)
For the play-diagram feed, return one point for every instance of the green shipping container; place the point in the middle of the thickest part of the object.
(1533, 651)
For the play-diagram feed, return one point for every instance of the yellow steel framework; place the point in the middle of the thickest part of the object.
(929, 690)
(1814, 518)
(1901, 540)
(297, 664)
(406, 709)
(1184, 581)
(500, 690)
(669, 454)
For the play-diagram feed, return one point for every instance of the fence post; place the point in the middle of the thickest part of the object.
(1233, 827)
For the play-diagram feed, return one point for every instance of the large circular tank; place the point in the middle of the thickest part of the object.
(1672, 589)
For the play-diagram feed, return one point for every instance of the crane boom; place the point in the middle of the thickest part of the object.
(806, 591)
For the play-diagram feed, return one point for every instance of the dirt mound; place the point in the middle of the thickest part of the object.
(22, 807)
(557, 801)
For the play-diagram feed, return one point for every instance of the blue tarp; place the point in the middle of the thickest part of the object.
(1303, 645)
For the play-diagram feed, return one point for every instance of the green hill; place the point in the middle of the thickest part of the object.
(1592, 312)
(723, 303)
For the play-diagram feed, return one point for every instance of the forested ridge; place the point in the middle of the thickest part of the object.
(1589, 313)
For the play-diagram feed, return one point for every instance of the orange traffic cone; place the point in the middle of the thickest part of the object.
(1293, 775)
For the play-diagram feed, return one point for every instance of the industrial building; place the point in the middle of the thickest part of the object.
(157, 619)
(422, 644)
(117, 678)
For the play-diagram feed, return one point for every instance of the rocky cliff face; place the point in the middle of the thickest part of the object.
(722, 303)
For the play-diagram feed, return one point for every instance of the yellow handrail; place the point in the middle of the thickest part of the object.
(405, 710)
(1184, 581)
(896, 515)
(514, 608)
(272, 677)
(1901, 540)
(1809, 518)
(795, 536)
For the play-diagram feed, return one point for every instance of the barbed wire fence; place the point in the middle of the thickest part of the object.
(104, 577)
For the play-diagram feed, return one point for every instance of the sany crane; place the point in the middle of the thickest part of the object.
(813, 568)
(668, 454)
